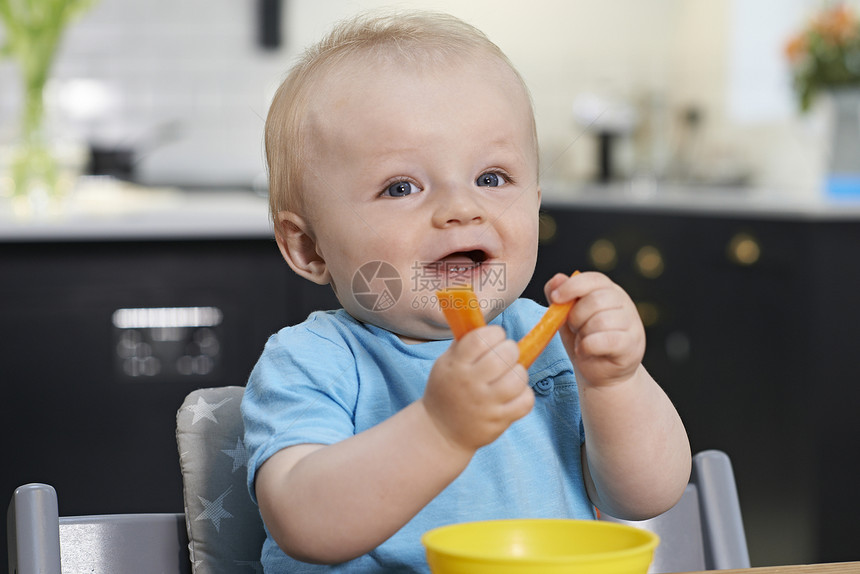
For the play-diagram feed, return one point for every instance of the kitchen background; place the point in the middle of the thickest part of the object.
(699, 87)
(716, 221)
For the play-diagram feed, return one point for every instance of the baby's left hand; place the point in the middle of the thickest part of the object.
(603, 335)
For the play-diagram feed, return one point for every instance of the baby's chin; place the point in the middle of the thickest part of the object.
(405, 323)
(412, 334)
(422, 330)
(411, 326)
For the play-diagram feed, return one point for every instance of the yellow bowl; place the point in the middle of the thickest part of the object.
(539, 546)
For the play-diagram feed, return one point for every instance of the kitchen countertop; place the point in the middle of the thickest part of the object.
(113, 210)
(119, 211)
(709, 201)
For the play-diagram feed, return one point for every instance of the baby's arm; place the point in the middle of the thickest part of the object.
(636, 456)
(333, 503)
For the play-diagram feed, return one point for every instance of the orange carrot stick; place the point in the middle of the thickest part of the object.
(536, 340)
(461, 309)
(463, 313)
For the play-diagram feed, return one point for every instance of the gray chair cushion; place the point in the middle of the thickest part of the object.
(225, 530)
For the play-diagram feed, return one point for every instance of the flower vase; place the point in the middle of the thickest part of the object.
(843, 169)
(33, 166)
(33, 30)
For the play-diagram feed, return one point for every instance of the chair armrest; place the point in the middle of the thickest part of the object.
(725, 540)
(122, 543)
(34, 530)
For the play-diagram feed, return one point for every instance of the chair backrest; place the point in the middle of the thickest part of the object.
(704, 530)
(224, 526)
(42, 542)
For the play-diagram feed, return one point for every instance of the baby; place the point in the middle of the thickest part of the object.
(403, 157)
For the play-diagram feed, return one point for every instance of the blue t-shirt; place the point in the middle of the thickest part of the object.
(332, 377)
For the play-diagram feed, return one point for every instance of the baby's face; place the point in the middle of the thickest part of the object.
(421, 179)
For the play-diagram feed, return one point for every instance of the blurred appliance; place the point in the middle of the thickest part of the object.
(100, 342)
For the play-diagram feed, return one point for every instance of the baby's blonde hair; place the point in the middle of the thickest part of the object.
(412, 37)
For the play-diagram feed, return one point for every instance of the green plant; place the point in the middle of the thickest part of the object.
(825, 54)
(33, 30)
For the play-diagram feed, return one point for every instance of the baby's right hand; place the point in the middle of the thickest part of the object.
(477, 389)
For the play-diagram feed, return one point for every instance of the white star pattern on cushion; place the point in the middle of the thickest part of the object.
(214, 509)
(225, 532)
(204, 410)
(238, 454)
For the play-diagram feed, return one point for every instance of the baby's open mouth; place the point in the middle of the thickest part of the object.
(461, 261)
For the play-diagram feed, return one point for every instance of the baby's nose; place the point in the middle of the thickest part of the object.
(458, 206)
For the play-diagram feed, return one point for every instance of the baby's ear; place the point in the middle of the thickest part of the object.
(299, 247)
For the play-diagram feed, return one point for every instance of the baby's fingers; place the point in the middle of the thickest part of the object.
(520, 404)
(618, 318)
(499, 360)
(477, 343)
(605, 307)
(609, 343)
(574, 287)
(554, 284)
(512, 397)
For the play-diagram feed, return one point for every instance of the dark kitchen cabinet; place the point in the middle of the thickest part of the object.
(89, 394)
(753, 324)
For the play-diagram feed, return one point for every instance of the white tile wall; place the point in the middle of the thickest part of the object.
(182, 81)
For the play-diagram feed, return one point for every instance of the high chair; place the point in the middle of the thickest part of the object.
(221, 530)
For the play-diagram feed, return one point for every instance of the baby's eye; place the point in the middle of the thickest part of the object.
(490, 179)
(400, 189)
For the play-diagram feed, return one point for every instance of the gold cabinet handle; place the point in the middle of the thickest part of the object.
(603, 255)
(743, 249)
(649, 262)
